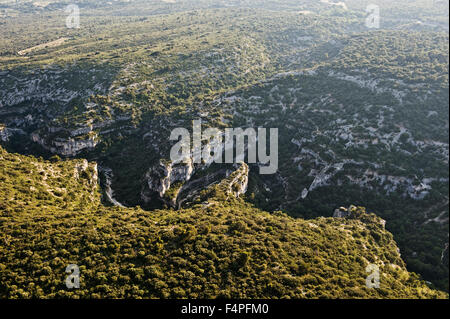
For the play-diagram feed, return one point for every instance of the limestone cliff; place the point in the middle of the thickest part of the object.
(162, 176)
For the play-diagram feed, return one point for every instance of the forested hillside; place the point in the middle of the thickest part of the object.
(362, 114)
(213, 249)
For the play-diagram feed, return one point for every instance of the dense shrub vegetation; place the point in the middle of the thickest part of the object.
(362, 114)
(212, 250)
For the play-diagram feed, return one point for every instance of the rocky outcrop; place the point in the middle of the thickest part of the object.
(237, 183)
(358, 212)
(226, 183)
(190, 191)
(161, 177)
(66, 147)
(305, 193)
(175, 185)
(50, 85)
(6, 133)
(87, 170)
(88, 174)
(341, 212)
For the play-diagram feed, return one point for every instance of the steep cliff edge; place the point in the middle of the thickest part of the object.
(162, 177)
(177, 185)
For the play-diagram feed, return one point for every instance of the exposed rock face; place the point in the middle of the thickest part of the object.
(360, 213)
(305, 193)
(238, 184)
(109, 192)
(66, 147)
(49, 85)
(84, 170)
(184, 189)
(85, 167)
(341, 212)
(159, 178)
(4, 136)
(191, 189)
(231, 183)
(6, 133)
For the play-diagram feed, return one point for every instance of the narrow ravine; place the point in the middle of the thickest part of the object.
(108, 173)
